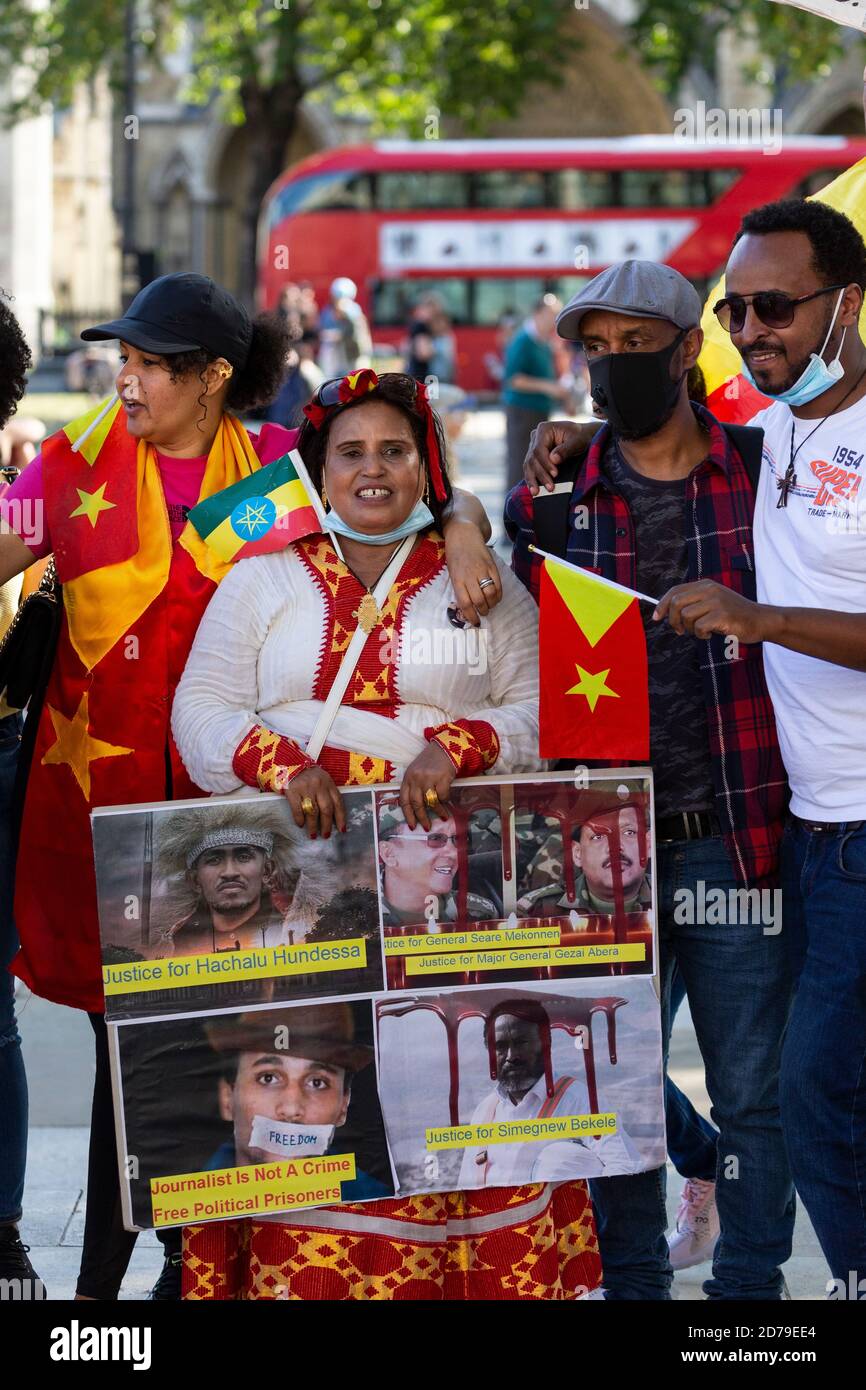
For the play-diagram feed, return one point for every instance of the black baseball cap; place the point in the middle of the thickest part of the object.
(179, 313)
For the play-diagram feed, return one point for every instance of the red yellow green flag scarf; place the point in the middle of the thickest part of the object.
(107, 504)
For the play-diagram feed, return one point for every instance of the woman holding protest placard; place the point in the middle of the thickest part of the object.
(109, 496)
(299, 681)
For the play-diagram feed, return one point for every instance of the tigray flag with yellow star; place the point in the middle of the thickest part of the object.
(594, 697)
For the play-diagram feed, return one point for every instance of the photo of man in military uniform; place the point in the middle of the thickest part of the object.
(418, 873)
(592, 849)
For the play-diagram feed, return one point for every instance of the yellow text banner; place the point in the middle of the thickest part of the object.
(254, 1189)
(471, 940)
(261, 962)
(521, 1131)
(526, 959)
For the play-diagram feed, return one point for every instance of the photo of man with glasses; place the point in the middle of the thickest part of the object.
(419, 872)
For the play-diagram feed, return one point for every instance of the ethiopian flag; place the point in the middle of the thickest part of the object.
(594, 698)
(260, 514)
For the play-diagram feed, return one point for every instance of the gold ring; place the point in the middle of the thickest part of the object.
(307, 805)
(431, 796)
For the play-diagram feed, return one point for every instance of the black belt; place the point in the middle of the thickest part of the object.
(688, 825)
(827, 827)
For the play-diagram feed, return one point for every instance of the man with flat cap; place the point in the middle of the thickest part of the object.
(664, 494)
(286, 1084)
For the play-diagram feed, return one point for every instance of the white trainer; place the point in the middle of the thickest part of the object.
(694, 1236)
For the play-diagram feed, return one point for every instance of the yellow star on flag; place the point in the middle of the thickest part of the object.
(592, 686)
(91, 504)
(76, 747)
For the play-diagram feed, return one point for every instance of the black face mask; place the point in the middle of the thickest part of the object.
(635, 389)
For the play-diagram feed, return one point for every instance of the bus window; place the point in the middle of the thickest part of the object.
(813, 183)
(511, 188)
(567, 286)
(405, 190)
(322, 193)
(493, 298)
(577, 189)
(719, 181)
(394, 300)
(660, 188)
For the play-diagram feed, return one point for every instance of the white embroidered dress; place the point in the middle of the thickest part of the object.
(270, 643)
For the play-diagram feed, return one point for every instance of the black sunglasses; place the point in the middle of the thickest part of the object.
(774, 308)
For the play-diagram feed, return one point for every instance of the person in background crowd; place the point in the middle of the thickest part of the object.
(530, 380)
(430, 351)
(15, 361)
(302, 379)
(343, 331)
(494, 362)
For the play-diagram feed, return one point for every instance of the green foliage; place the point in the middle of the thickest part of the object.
(386, 60)
(674, 35)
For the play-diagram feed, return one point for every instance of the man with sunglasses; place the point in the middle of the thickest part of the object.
(795, 284)
(664, 490)
(418, 872)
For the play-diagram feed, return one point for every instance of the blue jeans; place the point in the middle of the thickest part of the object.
(692, 1140)
(738, 982)
(13, 1082)
(824, 1061)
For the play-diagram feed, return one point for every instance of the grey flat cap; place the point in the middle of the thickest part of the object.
(643, 288)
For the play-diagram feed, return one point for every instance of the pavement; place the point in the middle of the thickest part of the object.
(58, 1052)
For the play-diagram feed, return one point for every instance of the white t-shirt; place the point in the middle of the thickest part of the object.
(812, 554)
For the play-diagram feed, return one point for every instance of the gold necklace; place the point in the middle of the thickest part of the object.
(368, 612)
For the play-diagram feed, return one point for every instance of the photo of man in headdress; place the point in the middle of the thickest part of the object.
(286, 1086)
(419, 872)
(520, 1032)
(235, 879)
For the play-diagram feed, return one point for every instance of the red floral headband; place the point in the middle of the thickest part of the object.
(333, 394)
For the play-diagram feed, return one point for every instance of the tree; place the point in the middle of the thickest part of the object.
(676, 35)
(403, 66)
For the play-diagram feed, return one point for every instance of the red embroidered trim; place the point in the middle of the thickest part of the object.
(471, 744)
(267, 760)
(374, 685)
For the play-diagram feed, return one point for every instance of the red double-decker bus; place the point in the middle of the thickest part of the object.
(490, 225)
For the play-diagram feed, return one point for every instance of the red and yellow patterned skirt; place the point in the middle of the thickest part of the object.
(535, 1242)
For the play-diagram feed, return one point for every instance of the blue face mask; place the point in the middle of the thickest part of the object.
(418, 519)
(816, 378)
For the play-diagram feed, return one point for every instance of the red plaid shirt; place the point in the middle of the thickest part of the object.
(748, 775)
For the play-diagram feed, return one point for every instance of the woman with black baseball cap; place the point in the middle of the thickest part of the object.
(110, 499)
(111, 492)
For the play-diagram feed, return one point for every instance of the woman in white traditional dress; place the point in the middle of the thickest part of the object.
(425, 704)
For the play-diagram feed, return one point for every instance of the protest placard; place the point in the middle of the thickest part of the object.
(396, 1010)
